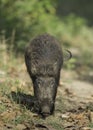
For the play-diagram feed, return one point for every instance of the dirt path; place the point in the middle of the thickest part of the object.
(82, 90)
(78, 96)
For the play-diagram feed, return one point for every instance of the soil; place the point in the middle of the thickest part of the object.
(78, 95)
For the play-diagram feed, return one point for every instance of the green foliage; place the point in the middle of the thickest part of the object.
(74, 24)
(27, 18)
(86, 56)
(71, 64)
(30, 18)
(22, 20)
(91, 125)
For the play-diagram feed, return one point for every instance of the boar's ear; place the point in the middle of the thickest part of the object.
(67, 55)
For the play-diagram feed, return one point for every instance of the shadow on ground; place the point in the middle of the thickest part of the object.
(23, 99)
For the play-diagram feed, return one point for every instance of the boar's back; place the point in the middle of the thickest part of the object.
(44, 56)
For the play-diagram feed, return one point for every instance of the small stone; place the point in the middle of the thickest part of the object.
(87, 128)
(65, 116)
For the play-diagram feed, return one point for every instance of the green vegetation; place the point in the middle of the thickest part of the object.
(20, 21)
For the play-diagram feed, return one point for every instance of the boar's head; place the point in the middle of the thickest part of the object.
(45, 89)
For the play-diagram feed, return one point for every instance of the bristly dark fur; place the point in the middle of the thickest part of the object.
(44, 59)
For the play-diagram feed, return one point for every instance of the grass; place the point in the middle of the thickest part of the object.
(12, 112)
(91, 125)
(15, 114)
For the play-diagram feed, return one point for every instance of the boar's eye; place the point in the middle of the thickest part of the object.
(38, 81)
(39, 101)
(52, 83)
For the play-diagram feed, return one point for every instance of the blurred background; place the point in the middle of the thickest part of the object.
(71, 22)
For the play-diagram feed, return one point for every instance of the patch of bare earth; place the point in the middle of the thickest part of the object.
(77, 96)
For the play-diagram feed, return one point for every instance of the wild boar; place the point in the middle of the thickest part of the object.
(44, 60)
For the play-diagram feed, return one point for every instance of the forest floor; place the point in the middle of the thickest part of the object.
(74, 102)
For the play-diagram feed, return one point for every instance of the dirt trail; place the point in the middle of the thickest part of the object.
(78, 103)
(82, 90)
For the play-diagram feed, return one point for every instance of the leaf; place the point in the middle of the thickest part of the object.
(8, 115)
(21, 127)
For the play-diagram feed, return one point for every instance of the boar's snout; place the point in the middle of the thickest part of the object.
(46, 108)
(45, 111)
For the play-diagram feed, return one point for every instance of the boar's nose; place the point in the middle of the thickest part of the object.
(45, 111)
